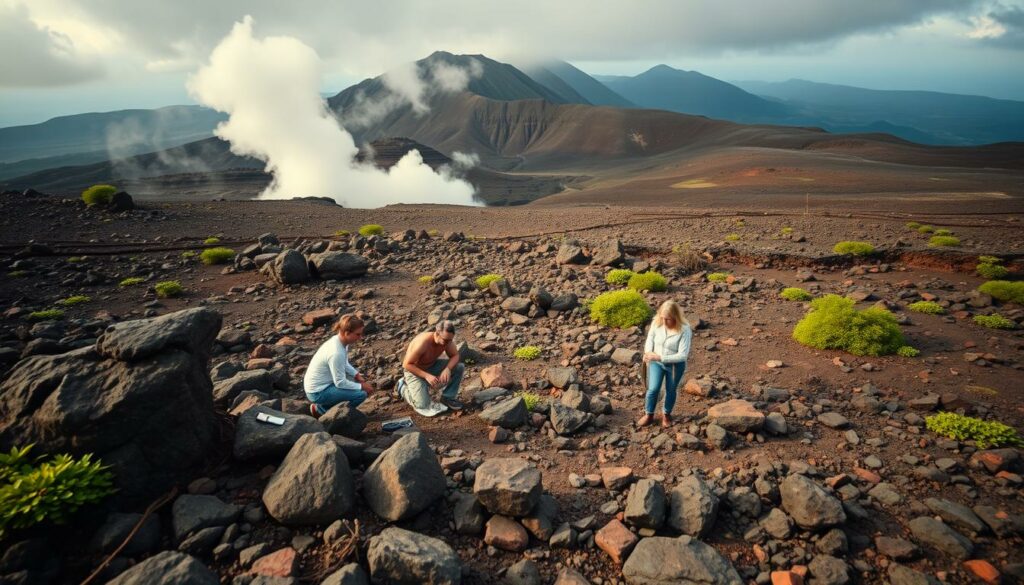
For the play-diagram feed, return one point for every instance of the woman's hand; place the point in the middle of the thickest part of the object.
(652, 357)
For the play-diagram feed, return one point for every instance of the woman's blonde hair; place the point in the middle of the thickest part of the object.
(673, 309)
(348, 323)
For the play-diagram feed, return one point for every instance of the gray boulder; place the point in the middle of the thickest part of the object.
(693, 507)
(345, 420)
(736, 415)
(469, 515)
(520, 305)
(508, 486)
(404, 480)
(564, 302)
(525, 572)
(828, 570)
(167, 568)
(900, 575)
(936, 534)
(645, 506)
(258, 440)
(338, 265)
(288, 267)
(541, 297)
(192, 513)
(808, 503)
(140, 400)
(313, 485)
(678, 561)
(510, 414)
(566, 420)
(562, 377)
(608, 253)
(402, 557)
(350, 574)
(570, 252)
(225, 391)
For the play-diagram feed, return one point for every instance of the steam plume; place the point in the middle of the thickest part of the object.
(270, 89)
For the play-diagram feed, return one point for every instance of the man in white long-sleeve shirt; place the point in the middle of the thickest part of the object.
(330, 378)
(665, 353)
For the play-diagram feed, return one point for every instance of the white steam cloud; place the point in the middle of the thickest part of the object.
(270, 89)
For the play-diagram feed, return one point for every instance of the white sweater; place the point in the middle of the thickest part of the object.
(330, 366)
(672, 347)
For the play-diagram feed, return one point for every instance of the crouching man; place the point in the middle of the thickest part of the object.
(330, 378)
(424, 369)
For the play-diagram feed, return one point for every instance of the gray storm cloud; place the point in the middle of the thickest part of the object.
(270, 89)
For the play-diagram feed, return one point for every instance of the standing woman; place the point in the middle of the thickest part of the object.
(665, 353)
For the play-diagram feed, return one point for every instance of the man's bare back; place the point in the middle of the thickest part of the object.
(424, 351)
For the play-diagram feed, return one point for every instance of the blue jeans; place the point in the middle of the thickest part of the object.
(333, 395)
(671, 375)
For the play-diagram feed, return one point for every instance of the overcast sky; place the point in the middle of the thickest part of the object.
(72, 56)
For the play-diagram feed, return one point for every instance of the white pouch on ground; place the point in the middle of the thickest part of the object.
(423, 406)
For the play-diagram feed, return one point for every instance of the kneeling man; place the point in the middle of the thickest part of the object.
(424, 370)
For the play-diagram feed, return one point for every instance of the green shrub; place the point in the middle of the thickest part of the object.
(913, 225)
(168, 289)
(74, 300)
(485, 281)
(793, 293)
(532, 400)
(718, 276)
(425, 279)
(46, 315)
(787, 231)
(739, 223)
(371, 229)
(925, 229)
(943, 232)
(943, 241)
(650, 280)
(132, 281)
(907, 351)
(834, 323)
(98, 194)
(77, 259)
(342, 233)
(52, 490)
(620, 308)
(929, 307)
(989, 260)
(991, 271)
(966, 428)
(433, 233)
(18, 273)
(1004, 290)
(527, 352)
(994, 321)
(732, 238)
(212, 240)
(216, 255)
(618, 276)
(188, 254)
(854, 248)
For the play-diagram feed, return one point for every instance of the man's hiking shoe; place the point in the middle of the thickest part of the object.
(399, 386)
(314, 410)
(453, 403)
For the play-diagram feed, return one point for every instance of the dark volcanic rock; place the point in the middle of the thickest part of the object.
(509, 486)
(683, 561)
(313, 485)
(255, 439)
(338, 265)
(167, 568)
(404, 557)
(404, 480)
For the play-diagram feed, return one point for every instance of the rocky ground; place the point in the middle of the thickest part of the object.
(785, 464)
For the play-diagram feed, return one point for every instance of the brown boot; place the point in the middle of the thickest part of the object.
(645, 420)
(666, 420)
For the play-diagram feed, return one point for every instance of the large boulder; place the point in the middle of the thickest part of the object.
(645, 506)
(344, 419)
(403, 557)
(608, 253)
(140, 400)
(404, 480)
(736, 415)
(288, 267)
(338, 265)
(509, 486)
(225, 391)
(693, 507)
(258, 440)
(510, 413)
(192, 513)
(167, 568)
(567, 420)
(313, 485)
(680, 561)
(571, 252)
(809, 504)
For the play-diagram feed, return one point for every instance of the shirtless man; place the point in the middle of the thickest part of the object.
(424, 370)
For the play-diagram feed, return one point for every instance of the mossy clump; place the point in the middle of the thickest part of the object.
(618, 276)
(168, 289)
(620, 309)
(74, 300)
(46, 315)
(718, 276)
(132, 281)
(51, 490)
(913, 224)
(188, 254)
(531, 399)
(929, 307)
(907, 351)
(854, 248)
(485, 281)
(925, 229)
(649, 281)
(212, 256)
(787, 231)
(732, 238)
(1004, 290)
(99, 195)
(371, 229)
(433, 233)
(425, 279)
(794, 293)
(990, 267)
(994, 321)
(527, 352)
(943, 241)
(943, 232)
(18, 273)
(967, 428)
(834, 323)
(212, 240)
(77, 259)
(342, 233)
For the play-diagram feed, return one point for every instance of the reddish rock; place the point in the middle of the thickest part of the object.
(867, 475)
(262, 351)
(730, 342)
(497, 435)
(259, 364)
(495, 377)
(318, 317)
(995, 460)
(737, 415)
(786, 578)
(616, 540)
(701, 387)
(616, 478)
(505, 533)
(286, 342)
(983, 570)
(277, 564)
